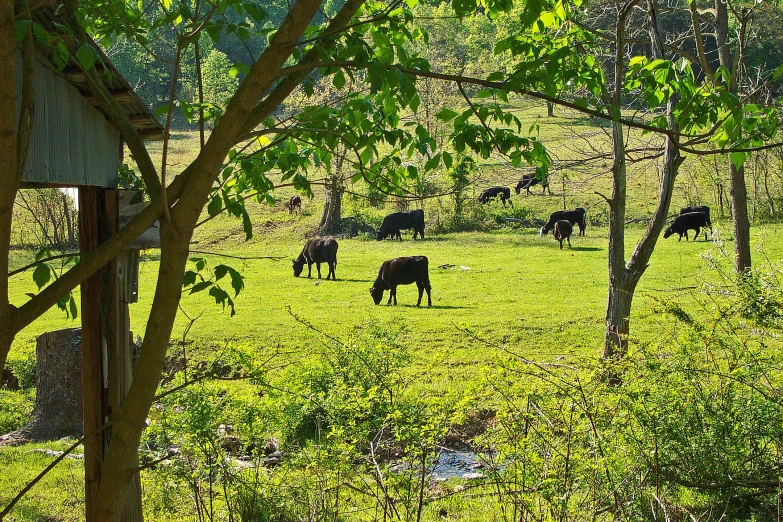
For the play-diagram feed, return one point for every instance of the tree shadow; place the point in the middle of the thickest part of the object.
(438, 307)
(586, 249)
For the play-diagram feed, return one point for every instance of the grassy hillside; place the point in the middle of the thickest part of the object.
(505, 288)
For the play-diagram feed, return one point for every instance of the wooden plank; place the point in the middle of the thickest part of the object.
(121, 96)
(151, 237)
(92, 347)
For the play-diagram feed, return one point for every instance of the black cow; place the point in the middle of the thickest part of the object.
(685, 222)
(530, 180)
(563, 231)
(703, 210)
(402, 271)
(318, 250)
(578, 216)
(493, 192)
(393, 223)
(294, 203)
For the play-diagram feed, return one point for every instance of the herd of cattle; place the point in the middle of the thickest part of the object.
(408, 270)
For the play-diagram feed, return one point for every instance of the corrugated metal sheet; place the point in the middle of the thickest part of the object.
(72, 143)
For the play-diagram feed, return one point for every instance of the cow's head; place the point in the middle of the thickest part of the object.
(298, 266)
(377, 294)
(668, 232)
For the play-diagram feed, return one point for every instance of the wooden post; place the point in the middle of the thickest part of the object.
(90, 209)
(106, 349)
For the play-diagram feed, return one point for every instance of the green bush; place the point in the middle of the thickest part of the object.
(696, 425)
(352, 386)
(15, 409)
(24, 369)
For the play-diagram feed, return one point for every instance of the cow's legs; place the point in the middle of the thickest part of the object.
(569, 241)
(309, 268)
(427, 287)
(331, 271)
(318, 266)
(420, 286)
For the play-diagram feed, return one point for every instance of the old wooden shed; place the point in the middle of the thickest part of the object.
(73, 144)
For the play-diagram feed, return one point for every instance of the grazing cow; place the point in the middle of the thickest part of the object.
(703, 210)
(685, 222)
(575, 217)
(294, 203)
(530, 180)
(493, 192)
(396, 221)
(318, 250)
(402, 271)
(563, 231)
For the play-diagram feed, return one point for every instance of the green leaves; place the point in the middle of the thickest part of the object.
(199, 279)
(49, 266)
(42, 275)
(446, 115)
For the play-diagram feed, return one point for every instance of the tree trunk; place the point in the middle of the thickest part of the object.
(8, 134)
(739, 211)
(624, 277)
(68, 220)
(618, 306)
(618, 313)
(550, 109)
(330, 220)
(58, 389)
(738, 190)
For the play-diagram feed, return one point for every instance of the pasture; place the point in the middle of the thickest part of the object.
(509, 286)
(497, 291)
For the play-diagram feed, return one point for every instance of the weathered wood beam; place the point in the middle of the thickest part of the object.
(121, 96)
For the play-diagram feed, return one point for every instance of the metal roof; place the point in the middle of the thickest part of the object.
(47, 15)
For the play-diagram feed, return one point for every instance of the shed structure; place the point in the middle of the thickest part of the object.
(74, 145)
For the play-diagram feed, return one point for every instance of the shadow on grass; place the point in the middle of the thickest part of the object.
(586, 249)
(347, 280)
(434, 307)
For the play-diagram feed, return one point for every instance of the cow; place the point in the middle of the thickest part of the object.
(563, 231)
(396, 221)
(294, 203)
(575, 217)
(684, 222)
(493, 192)
(703, 210)
(530, 180)
(402, 271)
(318, 250)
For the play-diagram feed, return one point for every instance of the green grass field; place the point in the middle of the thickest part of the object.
(505, 288)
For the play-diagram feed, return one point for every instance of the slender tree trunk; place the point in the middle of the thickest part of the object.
(618, 306)
(624, 277)
(741, 221)
(122, 455)
(738, 189)
(8, 135)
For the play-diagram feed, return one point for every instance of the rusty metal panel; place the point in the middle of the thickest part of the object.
(72, 143)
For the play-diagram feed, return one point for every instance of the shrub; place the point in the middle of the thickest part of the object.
(15, 409)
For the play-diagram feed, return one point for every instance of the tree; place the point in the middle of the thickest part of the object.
(252, 138)
(558, 52)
